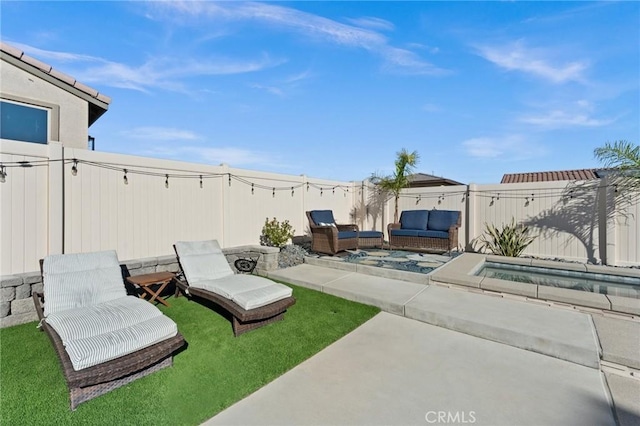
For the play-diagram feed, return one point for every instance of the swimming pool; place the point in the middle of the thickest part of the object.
(613, 285)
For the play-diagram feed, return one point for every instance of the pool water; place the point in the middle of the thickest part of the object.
(614, 285)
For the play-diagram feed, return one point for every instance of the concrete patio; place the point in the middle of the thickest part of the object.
(496, 359)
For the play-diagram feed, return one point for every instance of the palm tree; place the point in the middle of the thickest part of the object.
(393, 184)
(624, 158)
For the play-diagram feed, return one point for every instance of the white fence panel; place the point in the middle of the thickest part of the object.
(144, 217)
(23, 208)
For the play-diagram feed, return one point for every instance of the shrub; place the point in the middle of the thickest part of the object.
(510, 241)
(276, 234)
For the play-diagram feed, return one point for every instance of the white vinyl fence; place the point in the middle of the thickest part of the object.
(51, 204)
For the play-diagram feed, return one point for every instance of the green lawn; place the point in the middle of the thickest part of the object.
(215, 370)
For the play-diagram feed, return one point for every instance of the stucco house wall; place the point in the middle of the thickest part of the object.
(72, 106)
(67, 123)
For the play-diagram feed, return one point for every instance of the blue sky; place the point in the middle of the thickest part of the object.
(335, 89)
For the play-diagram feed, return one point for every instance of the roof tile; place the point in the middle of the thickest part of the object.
(62, 77)
(91, 92)
(36, 63)
(580, 174)
(11, 50)
(52, 72)
(104, 98)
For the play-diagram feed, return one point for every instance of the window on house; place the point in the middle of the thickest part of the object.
(25, 123)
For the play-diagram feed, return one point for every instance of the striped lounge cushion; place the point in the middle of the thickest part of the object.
(248, 291)
(83, 279)
(99, 333)
(202, 260)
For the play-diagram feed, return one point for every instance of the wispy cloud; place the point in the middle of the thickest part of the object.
(307, 24)
(283, 87)
(573, 114)
(539, 62)
(235, 157)
(510, 147)
(557, 119)
(372, 23)
(167, 73)
(160, 134)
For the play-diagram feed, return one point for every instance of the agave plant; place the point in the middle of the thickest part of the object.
(510, 241)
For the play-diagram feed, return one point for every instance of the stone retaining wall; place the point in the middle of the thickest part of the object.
(16, 304)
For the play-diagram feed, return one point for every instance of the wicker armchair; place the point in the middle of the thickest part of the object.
(327, 236)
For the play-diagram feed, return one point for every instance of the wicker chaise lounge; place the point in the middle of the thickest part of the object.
(252, 301)
(327, 236)
(85, 309)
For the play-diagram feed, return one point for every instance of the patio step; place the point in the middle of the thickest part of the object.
(566, 335)
(562, 334)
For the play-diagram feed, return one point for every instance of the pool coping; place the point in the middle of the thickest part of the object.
(460, 271)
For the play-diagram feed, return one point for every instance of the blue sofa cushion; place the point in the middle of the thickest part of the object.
(322, 216)
(441, 220)
(347, 234)
(433, 234)
(418, 233)
(370, 234)
(414, 219)
(405, 232)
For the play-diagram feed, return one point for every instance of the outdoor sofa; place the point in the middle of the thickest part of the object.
(104, 338)
(426, 229)
(252, 301)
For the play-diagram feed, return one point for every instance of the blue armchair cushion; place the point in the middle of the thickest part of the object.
(414, 219)
(441, 220)
(347, 234)
(370, 234)
(322, 216)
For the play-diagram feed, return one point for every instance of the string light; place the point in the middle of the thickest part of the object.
(74, 168)
(229, 179)
(166, 181)
(251, 189)
(3, 174)
(307, 186)
(273, 193)
(126, 180)
(201, 182)
(292, 191)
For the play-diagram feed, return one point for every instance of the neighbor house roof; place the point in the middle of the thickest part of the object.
(580, 174)
(420, 180)
(98, 102)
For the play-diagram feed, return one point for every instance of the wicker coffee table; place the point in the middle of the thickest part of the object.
(146, 281)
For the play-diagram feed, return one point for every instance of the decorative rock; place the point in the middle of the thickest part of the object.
(290, 255)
